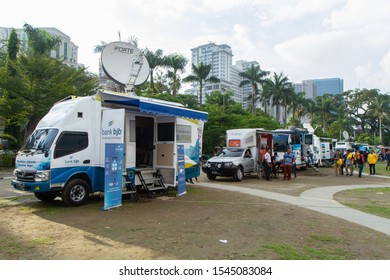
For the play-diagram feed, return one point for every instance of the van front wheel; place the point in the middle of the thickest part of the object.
(239, 174)
(75, 193)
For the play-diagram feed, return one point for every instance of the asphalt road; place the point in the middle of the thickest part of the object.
(6, 190)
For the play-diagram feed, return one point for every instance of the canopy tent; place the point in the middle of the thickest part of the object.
(151, 105)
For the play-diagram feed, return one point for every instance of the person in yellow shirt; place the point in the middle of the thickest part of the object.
(372, 159)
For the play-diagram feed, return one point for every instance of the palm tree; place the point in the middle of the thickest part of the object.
(298, 107)
(200, 74)
(155, 59)
(278, 88)
(324, 110)
(253, 76)
(178, 63)
(380, 108)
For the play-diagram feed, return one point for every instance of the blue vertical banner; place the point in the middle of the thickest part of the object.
(112, 136)
(113, 175)
(181, 174)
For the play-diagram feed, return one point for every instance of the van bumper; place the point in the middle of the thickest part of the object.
(31, 186)
(224, 171)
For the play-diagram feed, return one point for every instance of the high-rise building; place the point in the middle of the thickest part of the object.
(66, 50)
(220, 59)
(318, 87)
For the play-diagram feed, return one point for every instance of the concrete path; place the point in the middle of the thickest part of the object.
(320, 200)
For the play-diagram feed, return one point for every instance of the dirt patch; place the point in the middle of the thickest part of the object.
(190, 227)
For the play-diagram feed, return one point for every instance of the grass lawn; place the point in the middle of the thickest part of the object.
(374, 201)
(380, 168)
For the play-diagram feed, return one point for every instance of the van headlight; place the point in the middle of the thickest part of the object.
(41, 176)
(208, 164)
(228, 164)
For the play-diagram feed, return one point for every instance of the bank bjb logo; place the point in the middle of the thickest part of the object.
(111, 131)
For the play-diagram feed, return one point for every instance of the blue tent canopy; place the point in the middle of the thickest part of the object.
(154, 106)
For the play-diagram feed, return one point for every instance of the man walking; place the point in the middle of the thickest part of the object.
(338, 162)
(372, 159)
(267, 165)
(288, 161)
(349, 163)
(360, 162)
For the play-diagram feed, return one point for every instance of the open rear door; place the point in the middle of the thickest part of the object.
(165, 153)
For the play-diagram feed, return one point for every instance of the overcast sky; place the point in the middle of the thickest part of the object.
(304, 39)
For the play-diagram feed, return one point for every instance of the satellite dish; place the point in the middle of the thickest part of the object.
(346, 135)
(125, 64)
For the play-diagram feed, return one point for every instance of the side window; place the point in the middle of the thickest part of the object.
(70, 142)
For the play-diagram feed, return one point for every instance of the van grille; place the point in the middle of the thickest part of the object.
(25, 175)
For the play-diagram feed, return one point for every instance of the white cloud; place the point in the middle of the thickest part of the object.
(277, 11)
(303, 38)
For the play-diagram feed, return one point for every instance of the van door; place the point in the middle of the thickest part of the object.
(144, 142)
(130, 138)
(165, 154)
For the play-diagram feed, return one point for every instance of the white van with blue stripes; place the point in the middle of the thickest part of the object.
(64, 156)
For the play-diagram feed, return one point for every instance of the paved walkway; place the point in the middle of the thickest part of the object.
(320, 200)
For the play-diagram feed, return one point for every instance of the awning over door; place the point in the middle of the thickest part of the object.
(154, 106)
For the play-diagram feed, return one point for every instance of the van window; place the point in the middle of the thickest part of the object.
(70, 143)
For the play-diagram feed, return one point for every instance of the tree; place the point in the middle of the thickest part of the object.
(380, 109)
(155, 59)
(278, 87)
(253, 76)
(201, 75)
(39, 41)
(298, 107)
(178, 63)
(40, 81)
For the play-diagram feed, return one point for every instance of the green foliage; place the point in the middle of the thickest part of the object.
(201, 75)
(7, 159)
(225, 114)
(36, 82)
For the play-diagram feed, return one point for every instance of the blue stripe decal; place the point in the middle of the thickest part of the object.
(95, 173)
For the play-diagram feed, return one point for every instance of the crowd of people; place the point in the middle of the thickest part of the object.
(349, 160)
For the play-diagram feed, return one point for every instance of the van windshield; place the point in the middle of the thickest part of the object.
(40, 140)
(230, 152)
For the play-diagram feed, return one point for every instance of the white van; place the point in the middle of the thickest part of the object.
(243, 154)
(64, 156)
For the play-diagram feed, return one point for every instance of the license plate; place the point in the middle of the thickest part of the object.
(19, 186)
(214, 172)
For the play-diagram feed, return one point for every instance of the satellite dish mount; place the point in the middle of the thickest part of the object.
(125, 64)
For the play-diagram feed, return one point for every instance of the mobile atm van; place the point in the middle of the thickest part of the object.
(296, 139)
(86, 144)
(323, 150)
(243, 155)
(64, 156)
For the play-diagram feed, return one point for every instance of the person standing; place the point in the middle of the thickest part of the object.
(338, 162)
(349, 163)
(288, 161)
(267, 165)
(387, 157)
(372, 159)
(360, 162)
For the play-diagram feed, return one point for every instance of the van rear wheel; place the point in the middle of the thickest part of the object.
(75, 193)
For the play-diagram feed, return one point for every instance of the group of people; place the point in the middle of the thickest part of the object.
(271, 164)
(350, 159)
